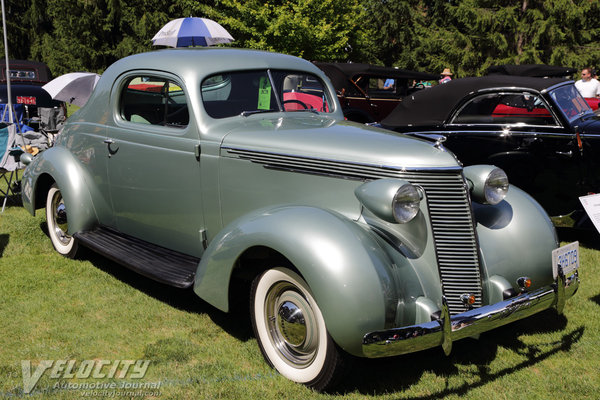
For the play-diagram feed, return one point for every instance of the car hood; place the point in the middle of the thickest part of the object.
(313, 136)
(589, 124)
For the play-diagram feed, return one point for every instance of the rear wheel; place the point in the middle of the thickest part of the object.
(56, 218)
(291, 331)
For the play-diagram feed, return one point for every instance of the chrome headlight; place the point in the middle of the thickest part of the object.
(393, 200)
(405, 205)
(488, 184)
(496, 186)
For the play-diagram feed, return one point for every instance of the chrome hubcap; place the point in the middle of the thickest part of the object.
(59, 218)
(292, 325)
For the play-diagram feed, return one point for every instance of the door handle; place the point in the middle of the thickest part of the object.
(111, 152)
(565, 153)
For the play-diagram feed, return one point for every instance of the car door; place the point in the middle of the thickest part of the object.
(518, 132)
(153, 172)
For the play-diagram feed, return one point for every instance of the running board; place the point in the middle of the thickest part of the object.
(155, 262)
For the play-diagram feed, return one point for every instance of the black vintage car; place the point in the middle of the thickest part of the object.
(540, 131)
(363, 92)
(26, 81)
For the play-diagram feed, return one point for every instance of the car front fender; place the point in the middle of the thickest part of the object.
(345, 268)
(516, 238)
(58, 165)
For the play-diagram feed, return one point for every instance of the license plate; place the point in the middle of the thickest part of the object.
(567, 257)
(30, 100)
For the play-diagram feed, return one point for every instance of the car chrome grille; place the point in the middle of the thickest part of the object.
(454, 236)
(449, 212)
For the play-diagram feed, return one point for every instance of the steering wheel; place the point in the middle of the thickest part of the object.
(297, 102)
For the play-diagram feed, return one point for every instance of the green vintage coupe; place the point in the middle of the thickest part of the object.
(234, 172)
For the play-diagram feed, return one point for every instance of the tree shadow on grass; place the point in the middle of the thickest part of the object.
(181, 299)
(596, 299)
(4, 238)
(13, 200)
(396, 374)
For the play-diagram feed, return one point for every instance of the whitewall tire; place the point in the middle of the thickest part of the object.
(56, 218)
(291, 331)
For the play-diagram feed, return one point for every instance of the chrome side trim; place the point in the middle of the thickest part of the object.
(324, 166)
(445, 330)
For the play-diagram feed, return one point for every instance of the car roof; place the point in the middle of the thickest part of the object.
(340, 73)
(431, 107)
(203, 62)
(536, 70)
(43, 74)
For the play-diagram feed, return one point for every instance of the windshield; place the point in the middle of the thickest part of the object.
(250, 92)
(570, 102)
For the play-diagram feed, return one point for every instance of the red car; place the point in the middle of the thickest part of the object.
(593, 102)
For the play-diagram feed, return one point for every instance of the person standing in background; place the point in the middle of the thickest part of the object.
(588, 87)
(446, 76)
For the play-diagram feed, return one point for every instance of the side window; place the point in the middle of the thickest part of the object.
(154, 101)
(505, 108)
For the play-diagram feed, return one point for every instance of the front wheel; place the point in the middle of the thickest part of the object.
(291, 331)
(56, 218)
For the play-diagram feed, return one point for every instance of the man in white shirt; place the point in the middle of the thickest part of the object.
(588, 86)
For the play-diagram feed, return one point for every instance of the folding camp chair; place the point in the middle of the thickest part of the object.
(51, 121)
(9, 162)
(17, 110)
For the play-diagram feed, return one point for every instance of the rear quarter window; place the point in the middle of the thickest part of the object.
(154, 101)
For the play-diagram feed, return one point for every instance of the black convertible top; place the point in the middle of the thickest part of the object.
(538, 70)
(341, 73)
(431, 107)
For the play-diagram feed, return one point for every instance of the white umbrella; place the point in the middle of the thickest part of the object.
(192, 31)
(75, 87)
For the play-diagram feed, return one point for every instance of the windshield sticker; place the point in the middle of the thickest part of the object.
(264, 94)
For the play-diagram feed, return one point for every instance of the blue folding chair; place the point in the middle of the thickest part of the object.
(9, 161)
(18, 111)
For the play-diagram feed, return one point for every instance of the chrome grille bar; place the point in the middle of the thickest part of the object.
(454, 238)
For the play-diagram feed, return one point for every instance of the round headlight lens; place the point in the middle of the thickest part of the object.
(496, 186)
(405, 205)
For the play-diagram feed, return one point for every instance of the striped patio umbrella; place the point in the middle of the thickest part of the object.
(191, 31)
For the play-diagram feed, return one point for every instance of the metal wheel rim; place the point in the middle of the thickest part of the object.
(59, 219)
(298, 354)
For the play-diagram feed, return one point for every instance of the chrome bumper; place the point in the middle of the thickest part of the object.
(447, 329)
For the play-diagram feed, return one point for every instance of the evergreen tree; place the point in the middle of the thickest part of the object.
(467, 36)
(314, 29)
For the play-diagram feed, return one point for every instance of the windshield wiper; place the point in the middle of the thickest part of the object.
(312, 110)
(248, 113)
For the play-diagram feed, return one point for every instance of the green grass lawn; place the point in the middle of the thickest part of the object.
(52, 308)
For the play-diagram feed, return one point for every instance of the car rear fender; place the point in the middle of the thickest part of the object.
(344, 266)
(58, 165)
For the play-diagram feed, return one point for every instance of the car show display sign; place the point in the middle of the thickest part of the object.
(591, 205)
